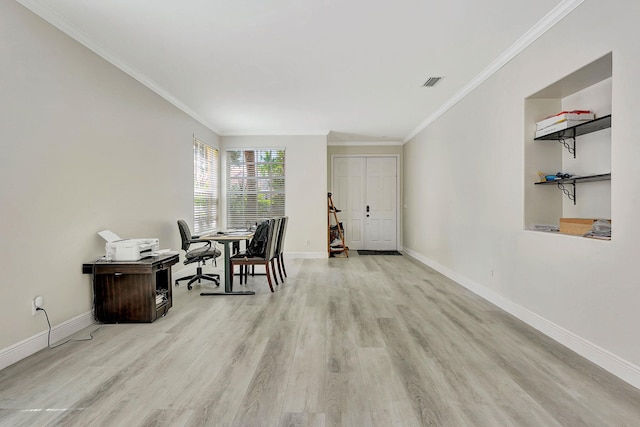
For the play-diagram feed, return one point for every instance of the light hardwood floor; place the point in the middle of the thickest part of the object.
(363, 341)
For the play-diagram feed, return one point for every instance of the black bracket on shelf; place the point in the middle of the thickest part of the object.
(569, 147)
(570, 194)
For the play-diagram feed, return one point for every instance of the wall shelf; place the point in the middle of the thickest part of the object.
(595, 125)
(563, 135)
(571, 194)
(587, 88)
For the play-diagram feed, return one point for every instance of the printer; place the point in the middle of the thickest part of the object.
(118, 249)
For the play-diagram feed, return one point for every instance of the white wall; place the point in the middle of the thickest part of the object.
(306, 191)
(83, 147)
(583, 292)
(593, 156)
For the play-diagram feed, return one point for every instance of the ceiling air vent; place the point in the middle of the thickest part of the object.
(432, 81)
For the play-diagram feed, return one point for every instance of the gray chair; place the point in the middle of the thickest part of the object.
(279, 258)
(200, 255)
(244, 260)
(277, 227)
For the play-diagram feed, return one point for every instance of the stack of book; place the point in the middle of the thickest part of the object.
(562, 120)
(160, 298)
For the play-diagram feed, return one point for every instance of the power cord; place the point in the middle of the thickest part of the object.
(70, 339)
(93, 282)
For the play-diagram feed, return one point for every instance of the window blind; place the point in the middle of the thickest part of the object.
(255, 186)
(205, 187)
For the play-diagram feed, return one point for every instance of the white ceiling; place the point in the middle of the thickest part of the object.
(354, 68)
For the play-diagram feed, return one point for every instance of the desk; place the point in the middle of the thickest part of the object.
(225, 239)
(132, 291)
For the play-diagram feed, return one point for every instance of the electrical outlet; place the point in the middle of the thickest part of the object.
(38, 302)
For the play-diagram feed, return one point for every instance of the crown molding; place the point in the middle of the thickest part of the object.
(323, 133)
(49, 15)
(552, 18)
(546, 23)
(362, 143)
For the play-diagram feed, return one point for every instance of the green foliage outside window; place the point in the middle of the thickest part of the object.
(255, 186)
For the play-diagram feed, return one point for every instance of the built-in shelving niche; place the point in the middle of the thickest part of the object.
(587, 88)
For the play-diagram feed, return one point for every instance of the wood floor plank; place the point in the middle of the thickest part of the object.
(306, 387)
(220, 396)
(471, 372)
(363, 317)
(347, 404)
(358, 341)
(388, 400)
(262, 402)
(538, 380)
(425, 392)
(165, 417)
(302, 419)
(219, 402)
(341, 341)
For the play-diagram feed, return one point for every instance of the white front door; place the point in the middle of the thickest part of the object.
(380, 210)
(367, 182)
(348, 196)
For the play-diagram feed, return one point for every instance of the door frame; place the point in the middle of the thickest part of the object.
(397, 159)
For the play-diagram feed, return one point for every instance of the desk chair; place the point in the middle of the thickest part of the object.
(200, 255)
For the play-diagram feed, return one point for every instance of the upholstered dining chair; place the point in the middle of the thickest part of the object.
(247, 259)
(279, 258)
(274, 246)
(244, 271)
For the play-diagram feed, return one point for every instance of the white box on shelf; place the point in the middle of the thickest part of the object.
(580, 115)
(558, 126)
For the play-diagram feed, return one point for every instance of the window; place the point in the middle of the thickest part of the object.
(255, 186)
(205, 187)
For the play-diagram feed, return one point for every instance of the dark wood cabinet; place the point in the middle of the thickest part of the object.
(129, 292)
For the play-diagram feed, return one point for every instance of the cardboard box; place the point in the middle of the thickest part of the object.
(576, 226)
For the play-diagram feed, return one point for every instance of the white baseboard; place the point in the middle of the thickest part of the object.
(32, 345)
(306, 255)
(612, 363)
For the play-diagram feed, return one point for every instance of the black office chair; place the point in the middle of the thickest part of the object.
(199, 255)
